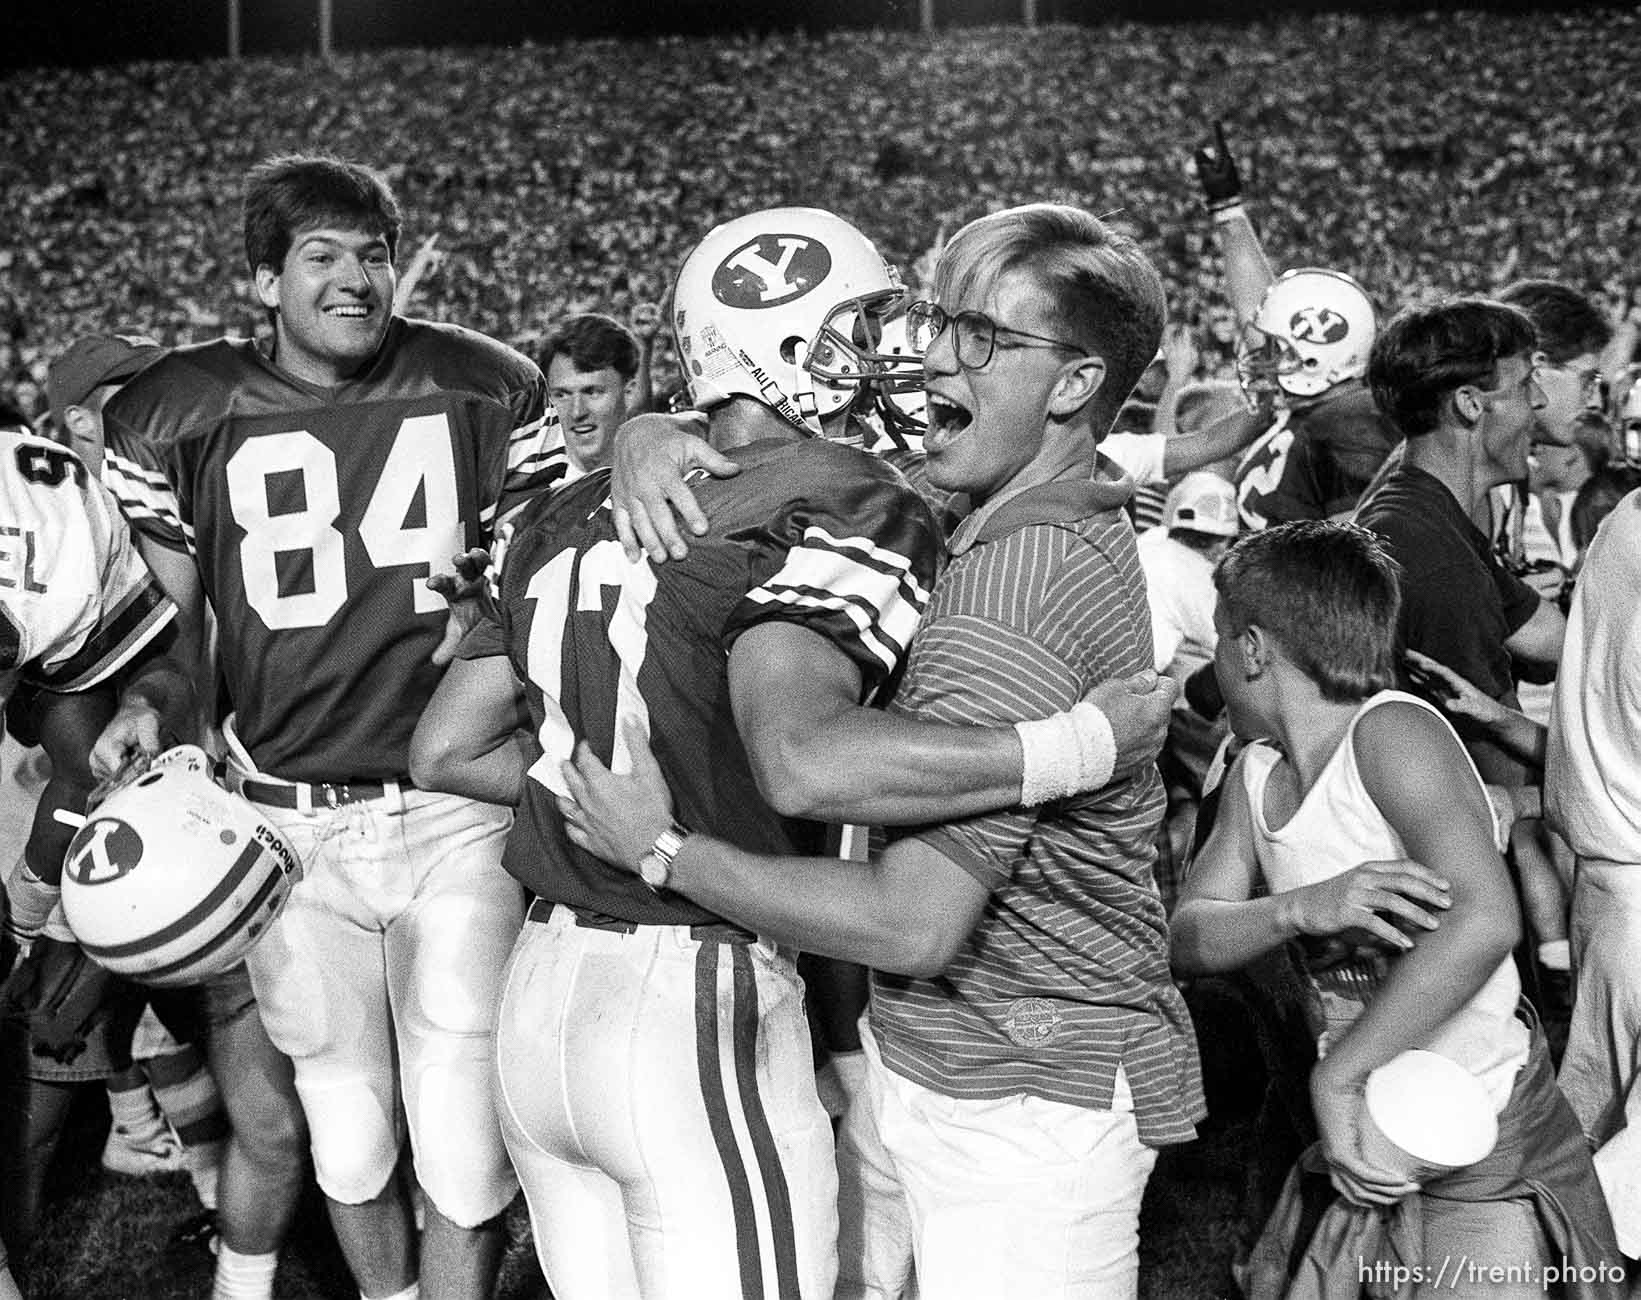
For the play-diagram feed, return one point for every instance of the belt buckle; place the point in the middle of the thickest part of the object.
(335, 795)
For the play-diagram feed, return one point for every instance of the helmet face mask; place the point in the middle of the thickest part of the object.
(1629, 416)
(849, 348)
(1262, 359)
(1312, 331)
(787, 307)
(900, 406)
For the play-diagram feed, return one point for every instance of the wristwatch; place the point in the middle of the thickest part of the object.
(655, 867)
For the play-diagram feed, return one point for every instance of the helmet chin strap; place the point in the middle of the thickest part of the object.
(803, 390)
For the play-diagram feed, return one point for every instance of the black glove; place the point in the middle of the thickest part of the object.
(59, 992)
(1216, 170)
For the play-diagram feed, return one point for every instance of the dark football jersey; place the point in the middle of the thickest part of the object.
(315, 516)
(1315, 461)
(809, 533)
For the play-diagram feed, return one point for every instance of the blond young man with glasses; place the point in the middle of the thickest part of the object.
(1027, 1051)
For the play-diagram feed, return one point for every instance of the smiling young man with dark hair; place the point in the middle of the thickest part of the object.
(307, 490)
(591, 362)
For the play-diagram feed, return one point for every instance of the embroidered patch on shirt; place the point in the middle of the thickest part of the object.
(1032, 1022)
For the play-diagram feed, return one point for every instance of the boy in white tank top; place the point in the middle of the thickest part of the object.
(1357, 822)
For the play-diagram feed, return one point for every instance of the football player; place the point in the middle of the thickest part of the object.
(306, 490)
(91, 1038)
(1302, 358)
(985, 1003)
(655, 1067)
(67, 571)
(1303, 352)
(78, 607)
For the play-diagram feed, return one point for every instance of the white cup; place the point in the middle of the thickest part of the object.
(1426, 1115)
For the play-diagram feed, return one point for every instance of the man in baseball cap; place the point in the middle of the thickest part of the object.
(81, 380)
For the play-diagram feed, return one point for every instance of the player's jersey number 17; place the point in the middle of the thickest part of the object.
(572, 583)
(417, 482)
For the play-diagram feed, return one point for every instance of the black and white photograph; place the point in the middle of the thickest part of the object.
(820, 650)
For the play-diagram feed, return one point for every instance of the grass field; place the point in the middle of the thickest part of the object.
(106, 1236)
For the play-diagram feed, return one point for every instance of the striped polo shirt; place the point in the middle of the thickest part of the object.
(1066, 977)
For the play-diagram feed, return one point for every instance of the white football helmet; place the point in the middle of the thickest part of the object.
(787, 306)
(1313, 330)
(1203, 502)
(173, 879)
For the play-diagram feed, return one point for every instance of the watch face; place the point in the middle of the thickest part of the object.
(652, 870)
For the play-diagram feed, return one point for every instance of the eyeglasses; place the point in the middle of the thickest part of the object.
(974, 334)
(1591, 385)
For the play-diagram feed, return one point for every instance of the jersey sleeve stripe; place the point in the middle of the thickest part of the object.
(531, 430)
(535, 445)
(132, 625)
(536, 462)
(862, 615)
(864, 551)
(147, 499)
(133, 471)
(884, 601)
(855, 567)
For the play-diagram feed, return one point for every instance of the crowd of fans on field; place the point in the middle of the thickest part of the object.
(568, 177)
(1423, 155)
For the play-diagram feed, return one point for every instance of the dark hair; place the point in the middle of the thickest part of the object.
(294, 192)
(592, 341)
(1596, 498)
(1569, 324)
(1426, 352)
(11, 415)
(1328, 593)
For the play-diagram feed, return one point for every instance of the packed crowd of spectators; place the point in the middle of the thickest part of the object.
(1421, 153)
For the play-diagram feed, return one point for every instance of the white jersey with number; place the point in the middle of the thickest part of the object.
(77, 602)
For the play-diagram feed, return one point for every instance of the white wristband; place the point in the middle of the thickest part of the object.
(1067, 753)
(1229, 212)
(1096, 746)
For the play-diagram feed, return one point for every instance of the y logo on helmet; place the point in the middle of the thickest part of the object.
(770, 270)
(103, 850)
(1318, 325)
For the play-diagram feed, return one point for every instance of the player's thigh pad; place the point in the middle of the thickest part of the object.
(446, 956)
(1017, 1198)
(321, 985)
(681, 1070)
